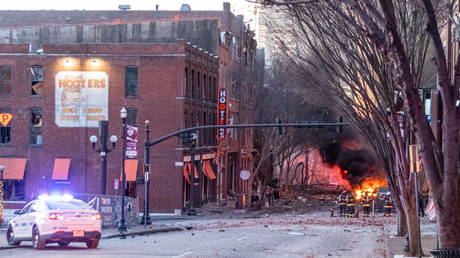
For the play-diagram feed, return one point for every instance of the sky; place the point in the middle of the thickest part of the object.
(113, 4)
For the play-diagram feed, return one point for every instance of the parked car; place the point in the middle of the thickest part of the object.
(55, 219)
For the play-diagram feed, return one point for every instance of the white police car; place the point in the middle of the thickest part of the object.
(55, 219)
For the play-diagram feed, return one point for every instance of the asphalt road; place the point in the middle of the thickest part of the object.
(258, 237)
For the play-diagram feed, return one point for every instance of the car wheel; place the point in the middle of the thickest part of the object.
(10, 237)
(63, 244)
(91, 244)
(37, 242)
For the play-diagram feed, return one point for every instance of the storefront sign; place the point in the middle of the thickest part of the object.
(81, 98)
(131, 141)
(5, 118)
(222, 114)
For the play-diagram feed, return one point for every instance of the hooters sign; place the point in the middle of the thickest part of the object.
(222, 114)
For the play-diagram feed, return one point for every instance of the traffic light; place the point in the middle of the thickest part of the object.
(280, 128)
(189, 138)
(340, 127)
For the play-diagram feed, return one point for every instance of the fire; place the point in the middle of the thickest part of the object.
(369, 186)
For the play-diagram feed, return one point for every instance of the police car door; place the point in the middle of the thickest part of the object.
(29, 219)
(19, 221)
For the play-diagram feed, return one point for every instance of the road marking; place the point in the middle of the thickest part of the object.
(243, 238)
(184, 254)
(296, 233)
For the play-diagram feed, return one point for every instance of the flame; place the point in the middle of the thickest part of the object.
(369, 186)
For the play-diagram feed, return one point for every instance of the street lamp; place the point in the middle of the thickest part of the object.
(103, 150)
(122, 225)
(146, 217)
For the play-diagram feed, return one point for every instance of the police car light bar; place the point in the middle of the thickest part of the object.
(64, 197)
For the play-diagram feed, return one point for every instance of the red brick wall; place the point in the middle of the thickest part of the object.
(160, 81)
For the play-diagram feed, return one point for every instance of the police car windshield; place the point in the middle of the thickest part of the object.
(66, 205)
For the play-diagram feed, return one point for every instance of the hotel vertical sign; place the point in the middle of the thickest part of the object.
(81, 98)
(222, 114)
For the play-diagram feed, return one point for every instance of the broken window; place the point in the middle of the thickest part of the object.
(5, 80)
(131, 81)
(131, 117)
(36, 79)
(5, 131)
(36, 123)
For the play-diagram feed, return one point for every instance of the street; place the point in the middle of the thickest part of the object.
(312, 235)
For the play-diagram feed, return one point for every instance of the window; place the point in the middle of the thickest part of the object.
(5, 80)
(198, 93)
(205, 88)
(13, 190)
(131, 81)
(36, 79)
(5, 131)
(36, 123)
(131, 118)
(193, 84)
(187, 84)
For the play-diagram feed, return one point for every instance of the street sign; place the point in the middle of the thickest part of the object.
(245, 175)
(5, 118)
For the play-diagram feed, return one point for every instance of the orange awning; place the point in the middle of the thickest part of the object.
(14, 168)
(130, 169)
(186, 172)
(61, 169)
(208, 171)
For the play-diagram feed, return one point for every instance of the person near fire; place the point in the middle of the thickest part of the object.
(350, 202)
(366, 203)
(341, 202)
(388, 205)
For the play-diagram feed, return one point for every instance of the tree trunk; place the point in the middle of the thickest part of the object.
(413, 232)
(448, 222)
(401, 221)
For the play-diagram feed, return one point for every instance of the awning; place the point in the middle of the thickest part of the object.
(130, 169)
(208, 171)
(61, 169)
(14, 168)
(186, 171)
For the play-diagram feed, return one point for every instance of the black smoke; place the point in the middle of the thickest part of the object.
(356, 164)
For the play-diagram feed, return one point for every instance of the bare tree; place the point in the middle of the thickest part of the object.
(395, 29)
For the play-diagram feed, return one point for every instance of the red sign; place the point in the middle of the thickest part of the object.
(5, 118)
(222, 114)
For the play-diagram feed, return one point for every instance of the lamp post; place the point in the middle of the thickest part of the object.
(103, 150)
(122, 225)
(146, 217)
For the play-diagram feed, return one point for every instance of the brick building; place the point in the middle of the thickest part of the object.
(162, 66)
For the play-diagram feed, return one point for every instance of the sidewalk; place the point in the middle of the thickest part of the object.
(395, 245)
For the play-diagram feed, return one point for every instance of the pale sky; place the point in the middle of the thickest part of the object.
(113, 4)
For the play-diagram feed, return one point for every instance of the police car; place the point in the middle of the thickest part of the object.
(55, 219)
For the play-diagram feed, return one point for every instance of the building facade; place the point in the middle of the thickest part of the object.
(67, 70)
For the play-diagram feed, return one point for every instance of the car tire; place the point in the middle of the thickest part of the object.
(10, 237)
(92, 244)
(37, 242)
(63, 244)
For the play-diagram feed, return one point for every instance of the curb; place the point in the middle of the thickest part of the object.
(145, 232)
(8, 247)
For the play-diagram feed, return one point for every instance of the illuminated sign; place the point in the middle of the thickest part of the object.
(222, 114)
(5, 118)
(81, 98)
